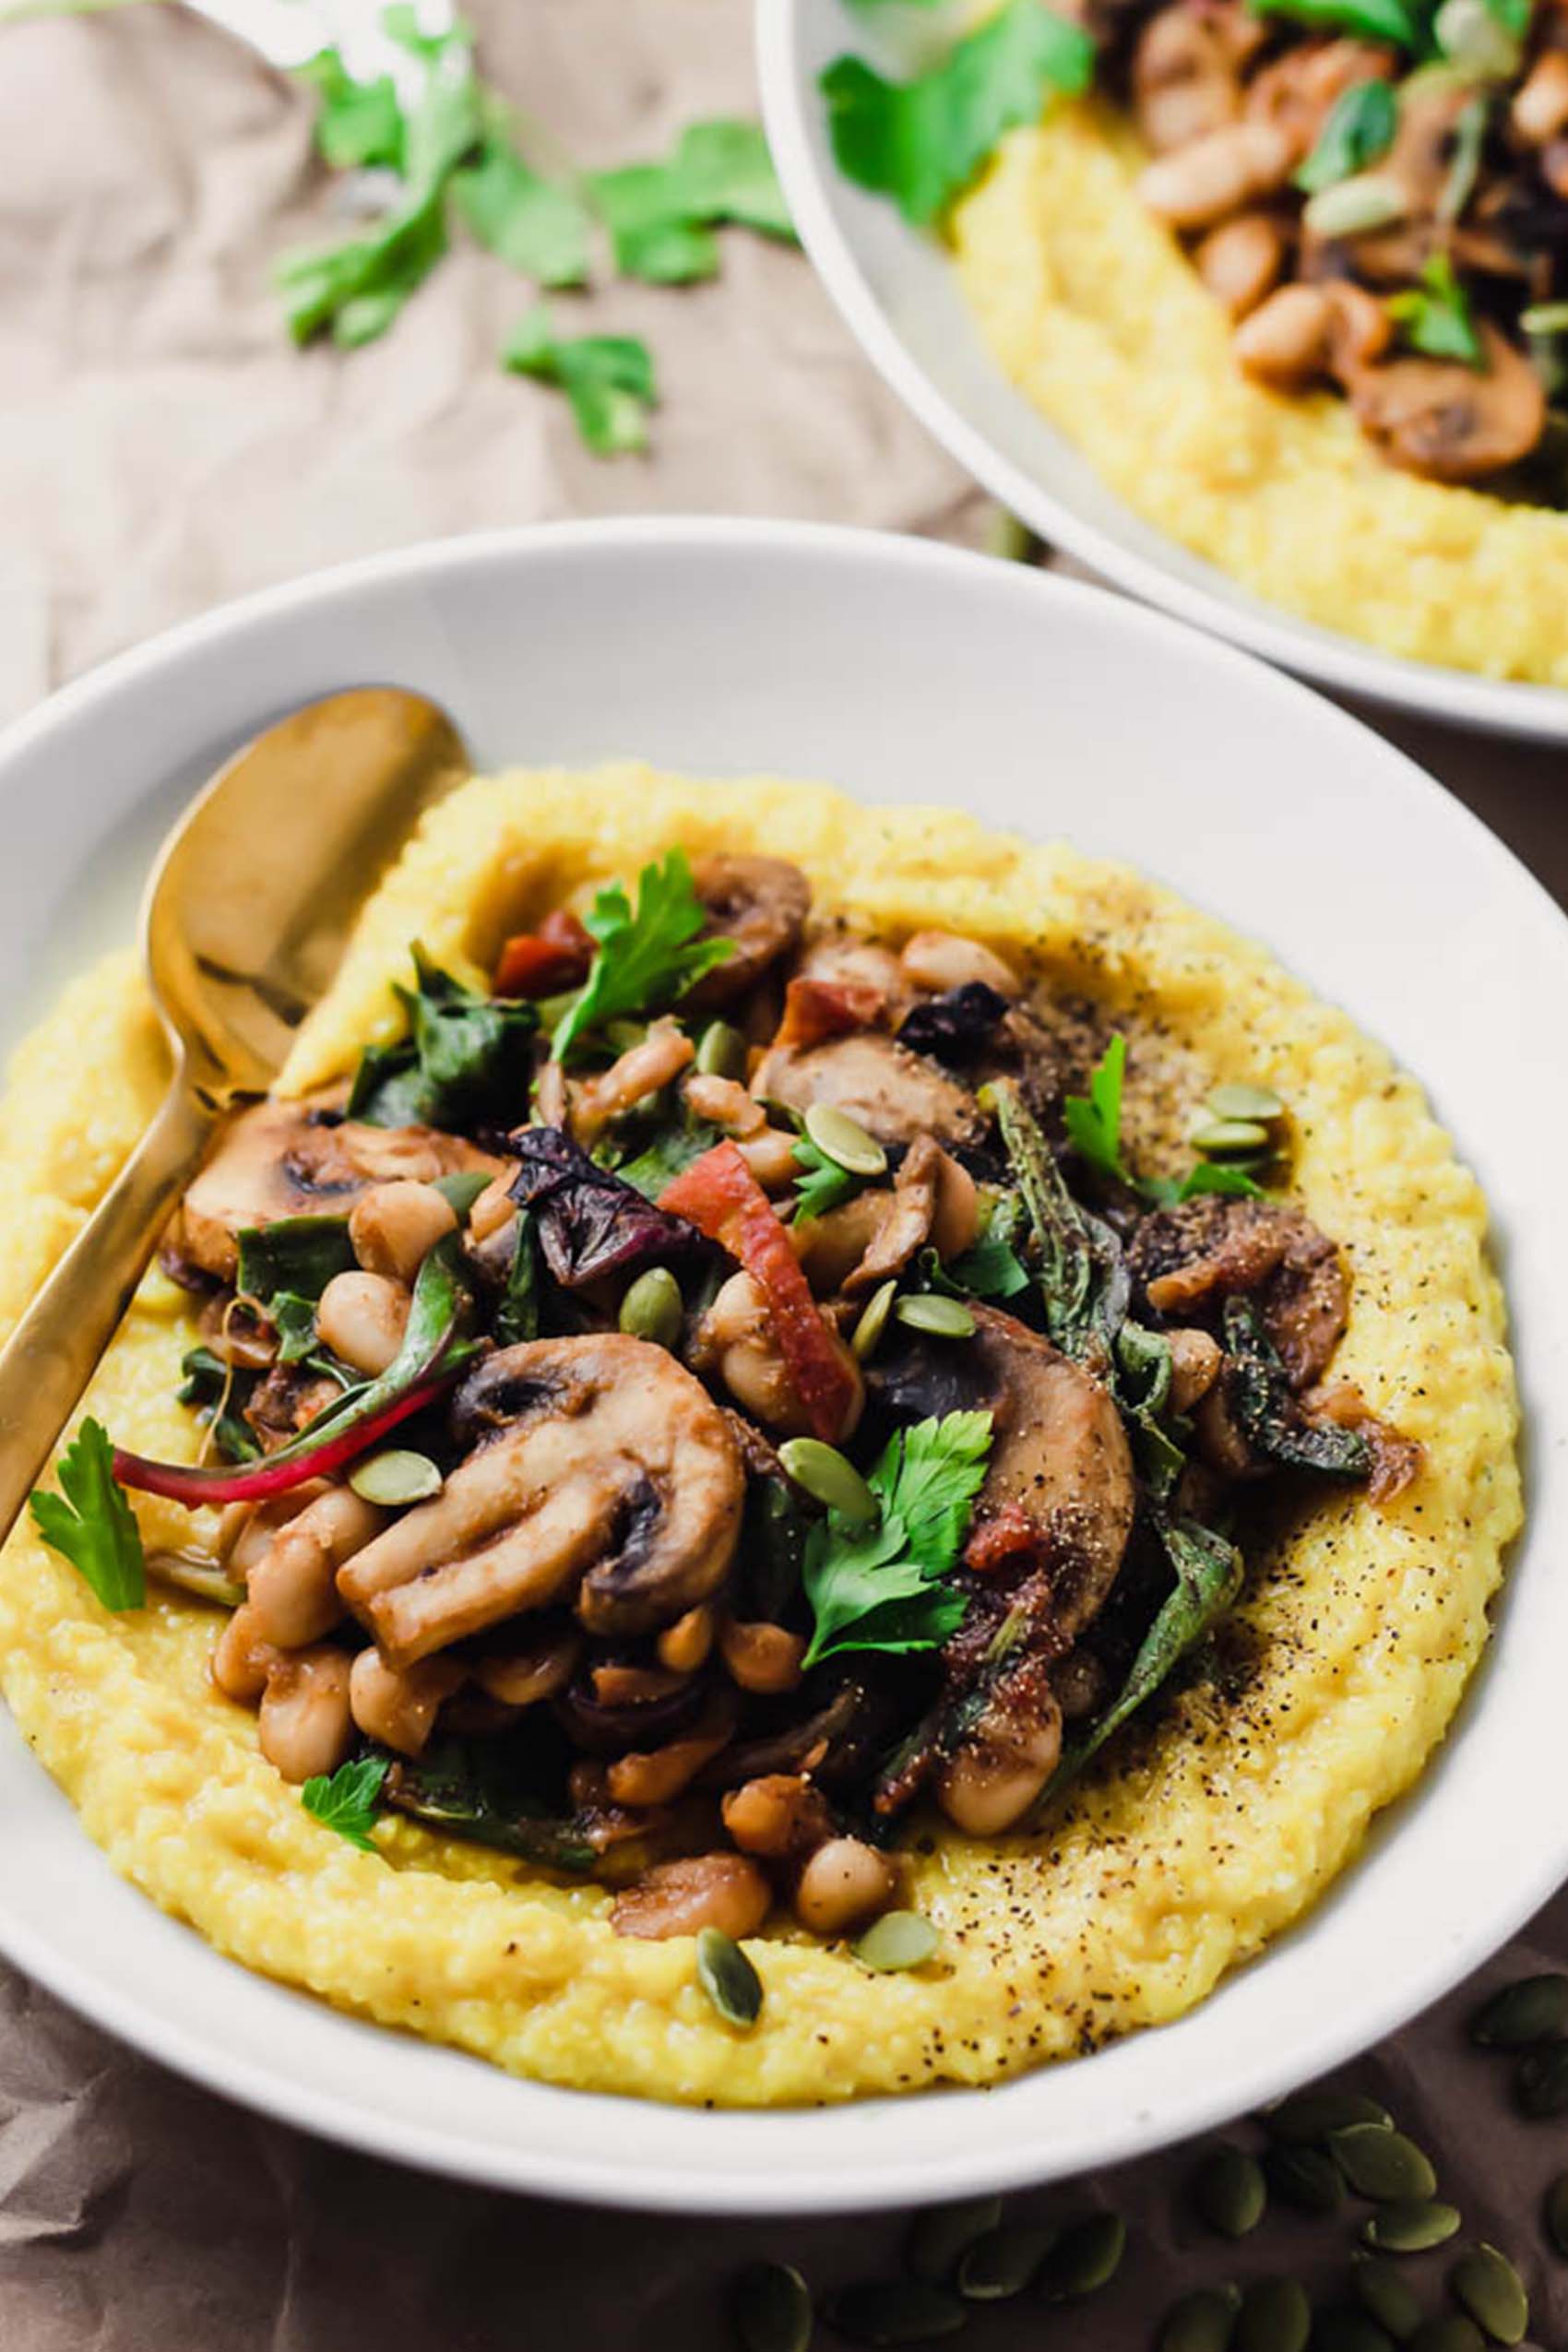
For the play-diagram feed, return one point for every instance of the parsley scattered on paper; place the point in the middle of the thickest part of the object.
(662, 216)
(643, 960)
(90, 1522)
(1434, 317)
(883, 1588)
(1360, 128)
(348, 1800)
(360, 124)
(922, 142)
(609, 380)
(539, 227)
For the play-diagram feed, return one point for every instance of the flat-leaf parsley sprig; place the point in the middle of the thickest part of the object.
(644, 958)
(349, 1799)
(91, 1524)
(884, 1587)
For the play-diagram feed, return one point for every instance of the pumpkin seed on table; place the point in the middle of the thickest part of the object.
(1492, 2292)
(830, 1479)
(1381, 2164)
(1304, 2177)
(898, 1940)
(1410, 2226)
(728, 1977)
(1235, 1099)
(844, 1141)
(1540, 2081)
(1449, 2332)
(1387, 2294)
(1347, 2329)
(653, 1309)
(941, 2236)
(397, 1476)
(1202, 2321)
(1086, 2257)
(872, 1322)
(1554, 2215)
(943, 1318)
(1275, 2316)
(1534, 2009)
(1003, 2262)
(1311, 2115)
(1230, 2191)
(895, 2311)
(770, 2307)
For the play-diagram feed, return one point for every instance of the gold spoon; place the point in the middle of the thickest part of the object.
(245, 918)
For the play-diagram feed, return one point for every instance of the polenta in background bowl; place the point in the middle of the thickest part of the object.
(1253, 1777)
(1059, 341)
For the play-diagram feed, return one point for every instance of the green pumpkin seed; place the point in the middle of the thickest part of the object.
(1237, 1101)
(770, 2307)
(1492, 2292)
(1545, 318)
(898, 1940)
(1220, 1137)
(941, 2236)
(1203, 2321)
(1084, 2258)
(1003, 2262)
(1304, 2178)
(462, 1188)
(1554, 2213)
(1382, 2165)
(1388, 2295)
(1472, 38)
(872, 1322)
(830, 1479)
(395, 1477)
(929, 1311)
(653, 1309)
(1274, 2317)
(1230, 2191)
(1312, 2115)
(1349, 209)
(844, 1141)
(1534, 2009)
(1410, 2226)
(728, 1977)
(1540, 2081)
(722, 1051)
(895, 2311)
(1344, 2329)
(1449, 2332)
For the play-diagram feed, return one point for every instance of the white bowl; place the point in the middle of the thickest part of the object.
(899, 295)
(900, 670)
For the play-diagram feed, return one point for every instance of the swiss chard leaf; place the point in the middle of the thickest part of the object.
(667, 1154)
(294, 1318)
(644, 958)
(1077, 1277)
(467, 1789)
(467, 1059)
(883, 1587)
(349, 1799)
(517, 1316)
(1403, 22)
(298, 1256)
(209, 1389)
(90, 1523)
(1260, 1394)
(1358, 128)
(991, 1267)
(590, 1222)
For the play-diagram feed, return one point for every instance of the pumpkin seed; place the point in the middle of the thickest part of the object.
(653, 1309)
(770, 2306)
(1533, 2010)
(1219, 1137)
(1084, 2258)
(1202, 2321)
(1540, 2081)
(895, 2311)
(1471, 37)
(1003, 2262)
(1382, 2165)
(1237, 1101)
(844, 1141)
(1545, 318)
(1312, 2115)
(1449, 2332)
(941, 2236)
(1274, 2317)
(1344, 2329)
(1554, 2213)
(728, 1977)
(1349, 209)
(395, 1477)
(1409, 2226)
(872, 1322)
(1304, 2178)
(722, 1051)
(1492, 2292)
(462, 1188)
(929, 1311)
(830, 1479)
(1388, 2295)
(898, 1940)
(1230, 2191)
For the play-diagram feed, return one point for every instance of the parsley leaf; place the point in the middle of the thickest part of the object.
(90, 1523)
(727, 174)
(643, 961)
(922, 142)
(1394, 20)
(1094, 1120)
(1434, 316)
(467, 1059)
(360, 124)
(824, 1184)
(662, 216)
(348, 1800)
(991, 1267)
(538, 227)
(882, 1588)
(1358, 128)
(608, 379)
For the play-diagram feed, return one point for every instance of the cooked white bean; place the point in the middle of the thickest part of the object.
(394, 1226)
(305, 1724)
(361, 1318)
(845, 1883)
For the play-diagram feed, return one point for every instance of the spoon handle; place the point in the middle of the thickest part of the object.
(54, 1351)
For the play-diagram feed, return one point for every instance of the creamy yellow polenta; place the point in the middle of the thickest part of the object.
(1093, 311)
(1343, 1666)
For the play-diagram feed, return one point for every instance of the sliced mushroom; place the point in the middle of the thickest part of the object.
(1188, 1260)
(283, 1159)
(1446, 421)
(760, 905)
(895, 1095)
(602, 1467)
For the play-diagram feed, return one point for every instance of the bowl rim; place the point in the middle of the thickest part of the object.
(795, 2186)
(1429, 690)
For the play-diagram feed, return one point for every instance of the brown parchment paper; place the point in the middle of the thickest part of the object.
(161, 448)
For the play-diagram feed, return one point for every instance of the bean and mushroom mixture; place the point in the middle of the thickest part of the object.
(1376, 191)
(722, 1388)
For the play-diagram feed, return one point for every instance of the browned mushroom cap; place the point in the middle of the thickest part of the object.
(761, 905)
(283, 1159)
(1187, 1261)
(1448, 421)
(895, 1095)
(1186, 72)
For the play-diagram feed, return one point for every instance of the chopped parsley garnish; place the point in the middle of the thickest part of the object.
(822, 1185)
(348, 1800)
(1360, 128)
(91, 1524)
(1093, 1128)
(465, 1060)
(1433, 318)
(643, 960)
(883, 1588)
(922, 142)
(1393, 20)
(662, 216)
(538, 226)
(608, 379)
